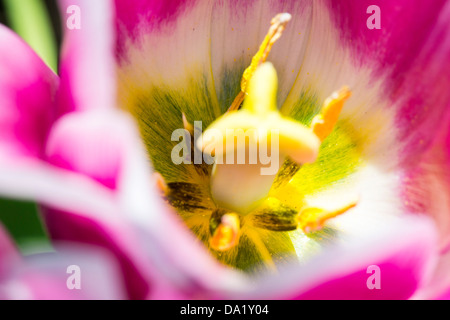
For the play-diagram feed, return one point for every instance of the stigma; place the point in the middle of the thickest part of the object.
(261, 138)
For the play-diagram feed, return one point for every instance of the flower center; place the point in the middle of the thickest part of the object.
(243, 204)
(249, 144)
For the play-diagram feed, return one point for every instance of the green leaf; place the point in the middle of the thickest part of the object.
(23, 222)
(30, 19)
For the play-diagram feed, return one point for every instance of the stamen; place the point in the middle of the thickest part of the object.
(278, 24)
(225, 232)
(187, 125)
(312, 218)
(323, 124)
(275, 216)
(160, 183)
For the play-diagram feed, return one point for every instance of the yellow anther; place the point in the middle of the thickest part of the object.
(278, 24)
(312, 218)
(226, 235)
(323, 124)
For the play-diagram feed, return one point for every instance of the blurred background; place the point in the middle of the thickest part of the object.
(38, 23)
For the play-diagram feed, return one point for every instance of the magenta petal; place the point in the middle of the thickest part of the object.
(153, 265)
(9, 255)
(7, 248)
(105, 146)
(445, 296)
(100, 145)
(410, 52)
(117, 239)
(405, 27)
(438, 286)
(82, 209)
(401, 283)
(404, 254)
(428, 185)
(79, 174)
(46, 276)
(87, 63)
(144, 15)
(88, 143)
(97, 144)
(27, 88)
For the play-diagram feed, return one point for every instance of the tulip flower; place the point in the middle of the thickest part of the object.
(356, 108)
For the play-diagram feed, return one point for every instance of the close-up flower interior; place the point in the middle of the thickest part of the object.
(224, 150)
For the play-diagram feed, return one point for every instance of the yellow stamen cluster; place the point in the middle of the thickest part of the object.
(241, 188)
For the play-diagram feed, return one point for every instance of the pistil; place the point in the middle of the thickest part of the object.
(257, 127)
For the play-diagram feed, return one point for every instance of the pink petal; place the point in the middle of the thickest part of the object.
(87, 65)
(90, 144)
(101, 146)
(437, 286)
(45, 277)
(115, 237)
(9, 255)
(150, 13)
(404, 252)
(162, 243)
(27, 89)
(411, 50)
(70, 193)
(27, 179)
(428, 185)
(150, 264)
(445, 296)
(7, 248)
